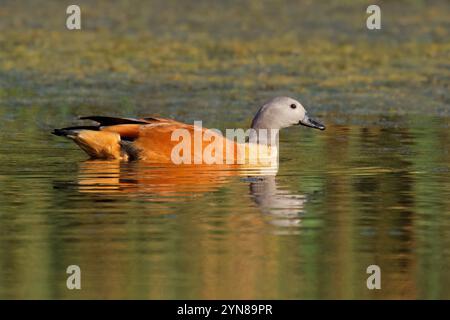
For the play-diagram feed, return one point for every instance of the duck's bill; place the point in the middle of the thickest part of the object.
(308, 122)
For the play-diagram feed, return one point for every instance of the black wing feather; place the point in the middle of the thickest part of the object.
(111, 121)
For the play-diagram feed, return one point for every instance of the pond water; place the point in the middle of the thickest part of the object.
(374, 188)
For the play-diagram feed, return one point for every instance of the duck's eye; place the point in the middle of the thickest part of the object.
(293, 106)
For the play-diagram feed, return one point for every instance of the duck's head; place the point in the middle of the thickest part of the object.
(283, 112)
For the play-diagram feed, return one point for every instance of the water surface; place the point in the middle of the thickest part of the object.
(374, 188)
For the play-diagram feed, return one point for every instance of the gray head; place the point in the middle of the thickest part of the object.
(283, 112)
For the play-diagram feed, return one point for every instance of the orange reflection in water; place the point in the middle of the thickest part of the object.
(99, 176)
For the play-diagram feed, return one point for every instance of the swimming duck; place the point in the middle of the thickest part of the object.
(151, 138)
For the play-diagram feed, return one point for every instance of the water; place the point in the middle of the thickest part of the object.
(374, 188)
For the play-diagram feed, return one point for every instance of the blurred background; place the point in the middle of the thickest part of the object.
(374, 188)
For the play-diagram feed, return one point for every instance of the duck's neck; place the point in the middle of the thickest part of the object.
(263, 135)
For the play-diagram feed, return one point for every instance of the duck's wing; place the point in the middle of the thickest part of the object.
(111, 121)
(127, 128)
(113, 138)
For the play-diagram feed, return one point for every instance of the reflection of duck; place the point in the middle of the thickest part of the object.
(284, 207)
(170, 183)
(152, 139)
(112, 176)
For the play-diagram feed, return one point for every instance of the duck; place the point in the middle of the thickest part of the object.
(152, 138)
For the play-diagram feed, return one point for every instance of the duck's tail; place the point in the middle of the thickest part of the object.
(97, 144)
